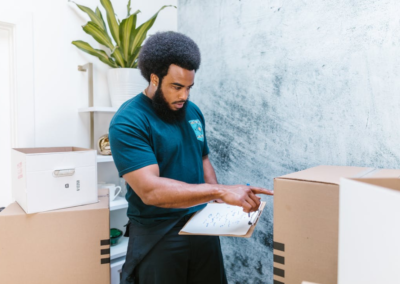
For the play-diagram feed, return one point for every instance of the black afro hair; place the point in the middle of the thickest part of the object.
(165, 48)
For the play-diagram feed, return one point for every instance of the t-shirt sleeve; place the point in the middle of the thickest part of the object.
(205, 146)
(130, 147)
(206, 150)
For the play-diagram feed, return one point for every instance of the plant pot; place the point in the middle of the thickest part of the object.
(124, 84)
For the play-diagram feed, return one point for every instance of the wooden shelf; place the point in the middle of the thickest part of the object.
(120, 249)
(98, 109)
(118, 203)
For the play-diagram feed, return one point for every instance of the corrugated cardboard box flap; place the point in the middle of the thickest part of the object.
(15, 209)
(384, 183)
(327, 174)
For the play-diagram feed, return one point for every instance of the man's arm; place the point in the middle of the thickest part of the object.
(209, 174)
(168, 193)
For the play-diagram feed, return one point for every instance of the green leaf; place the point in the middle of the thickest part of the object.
(98, 34)
(126, 29)
(129, 8)
(134, 56)
(98, 13)
(139, 35)
(117, 55)
(111, 20)
(100, 54)
(92, 15)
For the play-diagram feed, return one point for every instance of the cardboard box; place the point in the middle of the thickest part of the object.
(52, 178)
(369, 231)
(63, 246)
(306, 222)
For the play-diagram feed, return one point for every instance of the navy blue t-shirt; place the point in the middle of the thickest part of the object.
(139, 137)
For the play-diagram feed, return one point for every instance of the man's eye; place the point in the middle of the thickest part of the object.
(177, 88)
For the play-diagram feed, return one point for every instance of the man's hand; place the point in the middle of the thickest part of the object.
(244, 196)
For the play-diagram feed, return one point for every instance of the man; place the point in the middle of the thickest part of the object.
(159, 145)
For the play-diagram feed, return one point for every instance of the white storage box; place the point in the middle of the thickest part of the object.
(46, 179)
(369, 231)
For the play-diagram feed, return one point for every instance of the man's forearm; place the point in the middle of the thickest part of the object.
(169, 193)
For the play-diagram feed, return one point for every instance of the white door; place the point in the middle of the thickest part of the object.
(17, 113)
(6, 95)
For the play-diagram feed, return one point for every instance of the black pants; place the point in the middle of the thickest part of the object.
(179, 259)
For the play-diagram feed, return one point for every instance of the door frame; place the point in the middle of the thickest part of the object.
(22, 80)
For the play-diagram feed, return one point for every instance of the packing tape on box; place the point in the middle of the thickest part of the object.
(279, 246)
(105, 251)
(105, 260)
(279, 259)
(279, 272)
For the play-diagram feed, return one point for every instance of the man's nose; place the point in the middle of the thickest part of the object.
(184, 94)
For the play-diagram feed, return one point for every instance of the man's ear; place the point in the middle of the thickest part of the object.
(154, 79)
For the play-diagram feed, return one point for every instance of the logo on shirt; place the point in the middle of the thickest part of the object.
(198, 129)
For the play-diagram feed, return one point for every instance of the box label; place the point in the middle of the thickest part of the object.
(20, 172)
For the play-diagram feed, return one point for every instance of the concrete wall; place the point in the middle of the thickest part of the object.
(287, 85)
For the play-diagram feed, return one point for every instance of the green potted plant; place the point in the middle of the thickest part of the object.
(122, 48)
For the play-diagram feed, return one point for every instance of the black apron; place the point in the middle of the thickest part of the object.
(142, 238)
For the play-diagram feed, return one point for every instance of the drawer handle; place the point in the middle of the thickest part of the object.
(64, 173)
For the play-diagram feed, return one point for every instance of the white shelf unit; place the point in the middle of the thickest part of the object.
(104, 159)
(119, 249)
(116, 269)
(108, 173)
(118, 203)
(98, 109)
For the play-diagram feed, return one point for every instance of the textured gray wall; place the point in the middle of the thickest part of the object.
(287, 85)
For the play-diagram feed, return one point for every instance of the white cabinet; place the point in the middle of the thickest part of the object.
(116, 268)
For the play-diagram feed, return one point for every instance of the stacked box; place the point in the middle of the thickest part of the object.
(63, 246)
(306, 222)
(46, 179)
(369, 231)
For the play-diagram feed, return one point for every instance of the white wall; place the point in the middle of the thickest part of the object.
(59, 89)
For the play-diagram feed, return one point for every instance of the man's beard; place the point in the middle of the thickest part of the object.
(163, 110)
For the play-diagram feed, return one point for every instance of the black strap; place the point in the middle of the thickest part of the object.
(127, 228)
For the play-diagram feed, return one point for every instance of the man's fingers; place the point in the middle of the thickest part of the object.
(253, 203)
(260, 190)
(255, 199)
(246, 207)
